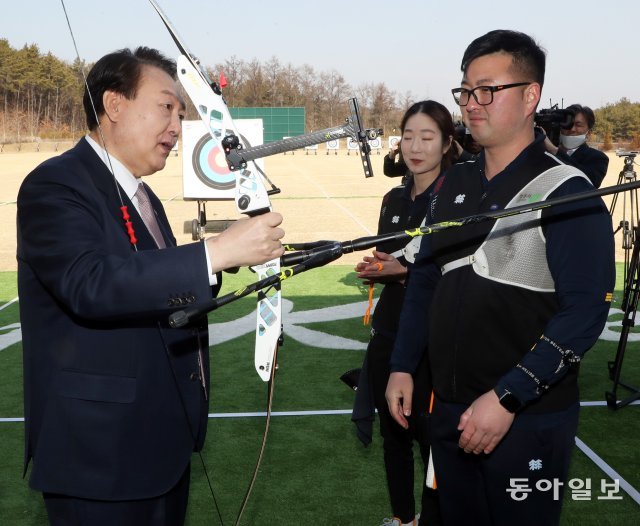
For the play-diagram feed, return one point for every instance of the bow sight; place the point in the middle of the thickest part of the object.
(238, 156)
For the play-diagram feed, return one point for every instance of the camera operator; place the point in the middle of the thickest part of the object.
(573, 148)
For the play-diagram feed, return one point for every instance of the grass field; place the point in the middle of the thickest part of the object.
(314, 470)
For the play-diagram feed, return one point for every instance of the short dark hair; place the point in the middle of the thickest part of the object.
(528, 57)
(120, 72)
(586, 111)
(443, 119)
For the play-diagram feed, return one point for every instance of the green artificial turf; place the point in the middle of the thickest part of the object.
(314, 469)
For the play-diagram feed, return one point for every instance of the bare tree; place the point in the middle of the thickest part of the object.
(254, 90)
(334, 91)
(234, 72)
(382, 106)
(289, 86)
(272, 72)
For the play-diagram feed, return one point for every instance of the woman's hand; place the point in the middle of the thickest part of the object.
(381, 267)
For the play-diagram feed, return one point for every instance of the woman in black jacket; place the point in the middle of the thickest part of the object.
(427, 151)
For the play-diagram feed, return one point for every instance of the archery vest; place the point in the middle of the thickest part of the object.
(514, 252)
(496, 294)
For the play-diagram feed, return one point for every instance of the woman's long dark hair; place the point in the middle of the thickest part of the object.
(443, 119)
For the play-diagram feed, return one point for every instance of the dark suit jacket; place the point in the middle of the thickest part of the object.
(112, 408)
(592, 162)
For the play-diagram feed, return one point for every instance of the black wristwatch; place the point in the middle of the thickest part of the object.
(508, 400)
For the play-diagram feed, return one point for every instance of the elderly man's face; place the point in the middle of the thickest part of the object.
(149, 125)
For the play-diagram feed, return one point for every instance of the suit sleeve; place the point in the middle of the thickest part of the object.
(592, 162)
(70, 241)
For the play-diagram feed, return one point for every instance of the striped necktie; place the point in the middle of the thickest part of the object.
(149, 216)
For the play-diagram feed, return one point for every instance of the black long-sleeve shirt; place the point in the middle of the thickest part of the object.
(391, 168)
(579, 251)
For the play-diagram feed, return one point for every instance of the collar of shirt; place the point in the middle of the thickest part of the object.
(408, 188)
(538, 142)
(127, 181)
(572, 151)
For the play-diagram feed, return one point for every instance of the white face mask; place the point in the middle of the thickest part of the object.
(571, 142)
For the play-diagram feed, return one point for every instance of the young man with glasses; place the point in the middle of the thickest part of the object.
(519, 301)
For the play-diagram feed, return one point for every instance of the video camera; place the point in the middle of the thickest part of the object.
(629, 158)
(554, 119)
(460, 132)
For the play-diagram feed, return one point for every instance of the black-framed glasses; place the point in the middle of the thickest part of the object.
(482, 94)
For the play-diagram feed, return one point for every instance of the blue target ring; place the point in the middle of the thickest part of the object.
(210, 165)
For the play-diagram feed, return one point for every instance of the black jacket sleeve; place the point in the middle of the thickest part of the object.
(392, 168)
(592, 162)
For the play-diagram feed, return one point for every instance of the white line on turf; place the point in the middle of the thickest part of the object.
(9, 303)
(608, 470)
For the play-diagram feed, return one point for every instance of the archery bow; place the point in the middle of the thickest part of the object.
(251, 196)
(251, 199)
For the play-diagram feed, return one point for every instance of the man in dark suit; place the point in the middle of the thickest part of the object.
(115, 400)
(574, 150)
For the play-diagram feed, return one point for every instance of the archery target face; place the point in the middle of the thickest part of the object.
(333, 144)
(210, 164)
(205, 172)
(352, 144)
(376, 144)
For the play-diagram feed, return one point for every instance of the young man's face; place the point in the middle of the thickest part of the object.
(506, 116)
(149, 125)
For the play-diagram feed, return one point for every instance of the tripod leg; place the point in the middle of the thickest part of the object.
(631, 276)
(630, 306)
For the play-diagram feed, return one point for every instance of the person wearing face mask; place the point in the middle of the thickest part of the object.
(574, 150)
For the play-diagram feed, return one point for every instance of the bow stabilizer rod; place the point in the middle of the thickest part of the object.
(318, 253)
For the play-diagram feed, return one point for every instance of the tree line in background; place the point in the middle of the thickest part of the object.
(619, 123)
(41, 98)
(40, 95)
